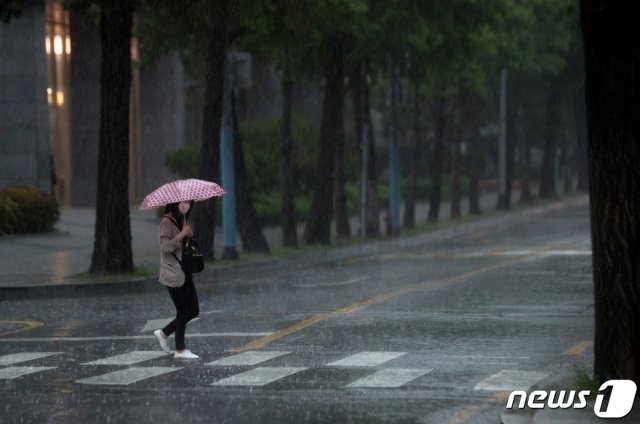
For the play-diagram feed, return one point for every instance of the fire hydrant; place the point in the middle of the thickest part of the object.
(388, 222)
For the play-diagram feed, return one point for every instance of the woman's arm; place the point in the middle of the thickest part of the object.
(168, 241)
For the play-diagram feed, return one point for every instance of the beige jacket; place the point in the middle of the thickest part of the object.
(171, 273)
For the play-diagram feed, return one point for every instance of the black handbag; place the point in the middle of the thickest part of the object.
(192, 260)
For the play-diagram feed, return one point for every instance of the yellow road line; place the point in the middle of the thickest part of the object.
(579, 348)
(28, 325)
(361, 305)
(278, 334)
(464, 414)
(261, 342)
(500, 396)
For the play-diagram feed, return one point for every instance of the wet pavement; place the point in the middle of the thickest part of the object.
(429, 329)
(61, 257)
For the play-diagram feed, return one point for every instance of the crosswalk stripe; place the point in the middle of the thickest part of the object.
(109, 338)
(129, 358)
(367, 359)
(16, 358)
(509, 380)
(392, 377)
(10, 373)
(251, 357)
(128, 376)
(258, 376)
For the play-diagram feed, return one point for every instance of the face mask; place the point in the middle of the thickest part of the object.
(184, 207)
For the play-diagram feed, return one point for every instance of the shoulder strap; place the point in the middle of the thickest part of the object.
(176, 224)
(172, 220)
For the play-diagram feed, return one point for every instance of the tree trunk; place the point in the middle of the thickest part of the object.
(364, 138)
(409, 219)
(565, 165)
(112, 246)
(475, 170)
(249, 226)
(612, 51)
(548, 167)
(343, 228)
(455, 163)
(287, 215)
(525, 191)
(440, 105)
(318, 228)
(512, 142)
(205, 212)
(475, 163)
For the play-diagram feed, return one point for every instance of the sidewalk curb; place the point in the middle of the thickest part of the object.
(142, 285)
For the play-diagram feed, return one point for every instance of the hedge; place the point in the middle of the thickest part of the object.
(27, 210)
(268, 203)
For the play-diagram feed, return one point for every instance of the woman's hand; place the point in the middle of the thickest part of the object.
(186, 231)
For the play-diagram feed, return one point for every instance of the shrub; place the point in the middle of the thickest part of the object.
(261, 145)
(184, 162)
(27, 210)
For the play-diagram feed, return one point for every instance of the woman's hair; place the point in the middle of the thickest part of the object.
(173, 209)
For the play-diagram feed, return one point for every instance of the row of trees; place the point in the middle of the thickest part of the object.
(447, 55)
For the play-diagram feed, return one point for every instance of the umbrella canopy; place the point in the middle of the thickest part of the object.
(181, 191)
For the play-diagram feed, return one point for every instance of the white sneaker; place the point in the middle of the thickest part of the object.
(164, 344)
(185, 354)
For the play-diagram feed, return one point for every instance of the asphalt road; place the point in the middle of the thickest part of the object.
(438, 333)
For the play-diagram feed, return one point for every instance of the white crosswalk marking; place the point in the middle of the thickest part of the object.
(258, 376)
(10, 373)
(16, 358)
(251, 357)
(392, 377)
(128, 376)
(129, 358)
(508, 380)
(366, 359)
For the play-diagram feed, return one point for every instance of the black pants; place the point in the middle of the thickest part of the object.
(186, 300)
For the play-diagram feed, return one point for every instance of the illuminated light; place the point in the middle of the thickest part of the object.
(50, 95)
(68, 45)
(47, 44)
(60, 98)
(57, 45)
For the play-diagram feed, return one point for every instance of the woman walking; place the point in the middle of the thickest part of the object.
(173, 229)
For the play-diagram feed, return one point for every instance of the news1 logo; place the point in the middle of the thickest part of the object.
(614, 399)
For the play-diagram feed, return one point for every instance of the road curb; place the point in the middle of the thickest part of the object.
(137, 286)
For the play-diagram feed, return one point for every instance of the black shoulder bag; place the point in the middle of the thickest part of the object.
(192, 261)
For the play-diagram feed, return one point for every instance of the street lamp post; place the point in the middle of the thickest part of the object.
(228, 169)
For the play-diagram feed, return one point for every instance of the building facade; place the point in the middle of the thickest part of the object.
(50, 106)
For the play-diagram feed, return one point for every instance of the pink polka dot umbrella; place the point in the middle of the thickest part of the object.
(181, 191)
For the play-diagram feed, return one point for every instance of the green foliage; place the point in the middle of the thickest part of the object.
(585, 380)
(268, 203)
(184, 162)
(11, 9)
(260, 141)
(27, 210)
